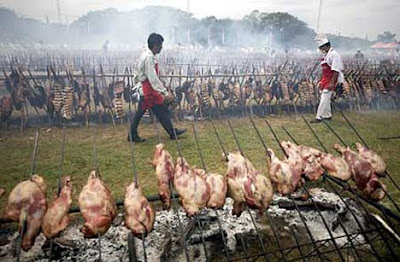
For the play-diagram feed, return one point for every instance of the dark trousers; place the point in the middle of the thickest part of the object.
(160, 111)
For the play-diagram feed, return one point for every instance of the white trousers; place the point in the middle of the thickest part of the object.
(324, 108)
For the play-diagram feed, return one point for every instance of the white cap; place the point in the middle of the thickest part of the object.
(321, 40)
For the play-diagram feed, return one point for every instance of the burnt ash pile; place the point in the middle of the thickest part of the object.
(164, 243)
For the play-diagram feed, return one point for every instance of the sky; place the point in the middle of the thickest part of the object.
(358, 18)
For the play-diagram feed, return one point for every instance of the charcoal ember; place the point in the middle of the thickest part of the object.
(118, 220)
(66, 244)
(4, 240)
(334, 211)
(60, 248)
(164, 243)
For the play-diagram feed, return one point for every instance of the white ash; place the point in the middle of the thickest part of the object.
(315, 223)
(7, 251)
(164, 242)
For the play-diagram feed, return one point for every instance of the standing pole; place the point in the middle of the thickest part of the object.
(24, 222)
(135, 178)
(35, 148)
(319, 15)
(59, 184)
(95, 166)
(62, 161)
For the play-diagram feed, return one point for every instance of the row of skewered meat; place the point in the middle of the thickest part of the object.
(364, 167)
(27, 205)
(296, 89)
(196, 188)
(246, 185)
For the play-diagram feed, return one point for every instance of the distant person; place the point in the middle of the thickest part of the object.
(152, 92)
(331, 79)
(359, 55)
(106, 46)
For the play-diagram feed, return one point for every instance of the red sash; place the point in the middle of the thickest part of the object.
(151, 96)
(326, 76)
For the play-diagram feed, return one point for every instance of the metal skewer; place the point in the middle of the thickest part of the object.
(362, 230)
(175, 204)
(24, 221)
(294, 202)
(366, 145)
(135, 178)
(215, 211)
(247, 208)
(59, 183)
(95, 166)
(316, 207)
(268, 215)
(196, 216)
(385, 211)
(339, 219)
(354, 193)
(242, 242)
(34, 154)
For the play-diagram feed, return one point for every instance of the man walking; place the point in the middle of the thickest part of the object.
(152, 91)
(332, 78)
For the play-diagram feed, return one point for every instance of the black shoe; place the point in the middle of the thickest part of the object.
(328, 118)
(315, 121)
(178, 132)
(137, 139)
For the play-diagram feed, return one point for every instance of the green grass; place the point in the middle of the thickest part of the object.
(114, 157)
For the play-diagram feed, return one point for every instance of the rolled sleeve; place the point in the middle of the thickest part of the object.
(337, 64)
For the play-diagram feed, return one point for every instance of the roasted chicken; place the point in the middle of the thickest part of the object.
(193, 190)
(311, 157)
(56, 218)
(2, 192)
(246, 185)
(27, 204)
(293, 156)
(363, 174)
(97, 206)
(285, 176)
(373, 158)
(239, 182)
(139, 214)
(336, 166)
(164, 166)
(218, 188)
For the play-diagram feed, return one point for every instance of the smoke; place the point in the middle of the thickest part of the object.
(125, 31)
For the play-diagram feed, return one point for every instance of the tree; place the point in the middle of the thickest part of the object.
(386, 37)
(256, 29)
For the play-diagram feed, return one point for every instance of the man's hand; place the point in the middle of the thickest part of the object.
(169, 99)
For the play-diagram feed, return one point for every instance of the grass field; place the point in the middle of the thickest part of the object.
(114, 157)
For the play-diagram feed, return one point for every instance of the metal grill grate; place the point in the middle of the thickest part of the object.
(370, 240)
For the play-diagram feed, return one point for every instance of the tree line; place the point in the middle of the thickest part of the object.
(277, 30)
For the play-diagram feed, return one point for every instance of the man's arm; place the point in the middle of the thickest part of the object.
(333, 81)
(153, 78)
(337, 66)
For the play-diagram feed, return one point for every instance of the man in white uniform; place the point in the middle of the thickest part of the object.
(332, 78)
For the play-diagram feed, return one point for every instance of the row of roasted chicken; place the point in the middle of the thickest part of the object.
(196, 188)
